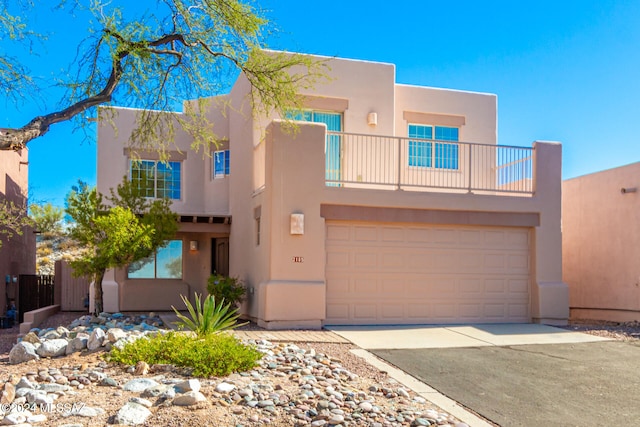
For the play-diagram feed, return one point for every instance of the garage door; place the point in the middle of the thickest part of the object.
(380, 273)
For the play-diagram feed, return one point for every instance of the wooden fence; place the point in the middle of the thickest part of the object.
(74, 291)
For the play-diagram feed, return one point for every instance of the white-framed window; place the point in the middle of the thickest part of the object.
(156, 179)
(220, 163)
(165, 263)
(433, 147)
(333, 145)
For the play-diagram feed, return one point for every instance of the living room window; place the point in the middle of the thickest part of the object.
(165, 263)
(156, 179)
(433, 149)
(221, 163)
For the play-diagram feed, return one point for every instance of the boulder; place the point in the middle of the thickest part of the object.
(52, 348)
(22, 352)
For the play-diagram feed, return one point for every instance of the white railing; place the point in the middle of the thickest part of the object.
(382, 162)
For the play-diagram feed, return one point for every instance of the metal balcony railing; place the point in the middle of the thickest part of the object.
(396, 163)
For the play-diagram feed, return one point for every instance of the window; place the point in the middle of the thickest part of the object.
(166, 263)
(156, 179)
(439, 153)
(258, 231)
(333, 146)
(221, 164)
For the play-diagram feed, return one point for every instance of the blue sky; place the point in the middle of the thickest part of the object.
(563, 70)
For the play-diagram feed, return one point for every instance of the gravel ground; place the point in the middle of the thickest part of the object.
(212, 413)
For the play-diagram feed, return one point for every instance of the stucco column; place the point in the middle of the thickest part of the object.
(550, 295)
(110, 292)
(294, 294)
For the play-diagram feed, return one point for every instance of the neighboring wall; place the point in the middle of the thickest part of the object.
(17, 256)
(601, 244)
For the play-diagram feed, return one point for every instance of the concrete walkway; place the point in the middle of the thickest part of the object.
(416, 337)
(322, 336)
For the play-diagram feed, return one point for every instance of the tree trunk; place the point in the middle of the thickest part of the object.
(97, 297)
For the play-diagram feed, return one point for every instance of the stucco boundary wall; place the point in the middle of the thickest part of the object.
(600, 237)
(294, 291)
(33, 318)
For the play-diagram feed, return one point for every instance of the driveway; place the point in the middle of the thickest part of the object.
(517, 375)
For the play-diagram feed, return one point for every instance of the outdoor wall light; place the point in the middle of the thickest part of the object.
(193, 245)
(628, 190)
(372, 119)
(297, 223)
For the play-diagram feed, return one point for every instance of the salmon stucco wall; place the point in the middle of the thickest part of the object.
(18, 255)
(601, 244)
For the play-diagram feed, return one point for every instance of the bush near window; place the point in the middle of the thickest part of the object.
(210, 355)
(231, 289)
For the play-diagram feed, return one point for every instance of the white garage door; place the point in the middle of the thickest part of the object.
(380, 273)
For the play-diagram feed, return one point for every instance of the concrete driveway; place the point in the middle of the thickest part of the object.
(517, 375)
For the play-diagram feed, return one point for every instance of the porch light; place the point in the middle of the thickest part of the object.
(297, 223)
(372, 119)
(193, 245)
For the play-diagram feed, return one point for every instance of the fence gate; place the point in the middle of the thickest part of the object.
(34, 292)
(74, 291)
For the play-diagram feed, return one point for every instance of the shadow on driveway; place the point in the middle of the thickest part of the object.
(582, 384)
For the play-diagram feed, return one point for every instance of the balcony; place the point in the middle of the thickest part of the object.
(412, 164)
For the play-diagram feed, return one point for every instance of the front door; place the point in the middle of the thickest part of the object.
(220, 256)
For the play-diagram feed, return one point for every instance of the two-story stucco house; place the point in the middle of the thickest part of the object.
(392, 204)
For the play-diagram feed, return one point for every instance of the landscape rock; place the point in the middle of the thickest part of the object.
(8, 393)
(189, 385)
(189, 398)
(52, 348)
(22, 352)
(140, 384)
(96, 339)
(132, 414)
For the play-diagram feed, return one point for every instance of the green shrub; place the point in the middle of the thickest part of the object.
(231, 289)
(208, 317)
(211, 355)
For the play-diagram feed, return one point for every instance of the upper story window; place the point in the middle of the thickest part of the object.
(439, 154)
(165, 263)
(156, 179)
(333, 146)
(331, 119)
(221, 163)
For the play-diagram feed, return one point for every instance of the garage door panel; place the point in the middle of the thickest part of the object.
(418, 235)
(518, 263)
(365, 234)
(470, 311)
(379, 273)
(392, 311)
(338, 311)
(365, 260)
(391, 260)
(338, 232)
(442, 237)
(470, 238)
(471, 287)
(393, 234)
(337, 259)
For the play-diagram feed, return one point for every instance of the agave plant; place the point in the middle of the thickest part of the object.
(206, 317)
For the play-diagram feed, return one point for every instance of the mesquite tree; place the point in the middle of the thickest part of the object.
(152, 56)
